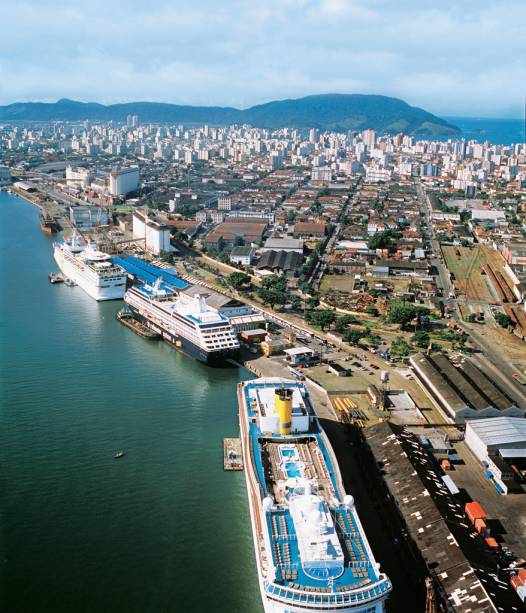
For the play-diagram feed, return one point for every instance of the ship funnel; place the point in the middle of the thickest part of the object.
(283, 409)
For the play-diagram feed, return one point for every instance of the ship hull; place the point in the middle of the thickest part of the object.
(210, 358)
(47, 229)
(90, 286)
(256, 519)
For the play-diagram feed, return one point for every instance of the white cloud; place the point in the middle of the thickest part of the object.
(457, 56)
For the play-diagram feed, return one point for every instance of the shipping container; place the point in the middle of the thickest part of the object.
(515, 582)
(492, 543)
(481, 527)
(445, 465)
(522, 575)
(474, 511)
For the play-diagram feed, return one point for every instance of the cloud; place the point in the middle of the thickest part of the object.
(462, 56)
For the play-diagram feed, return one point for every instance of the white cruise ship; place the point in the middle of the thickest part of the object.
(311, 551)
(90, 269)
(184, 321)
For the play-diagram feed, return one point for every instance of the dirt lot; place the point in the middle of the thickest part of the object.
(467, 268)
(342, 283)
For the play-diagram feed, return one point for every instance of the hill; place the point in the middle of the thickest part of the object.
(340, 112)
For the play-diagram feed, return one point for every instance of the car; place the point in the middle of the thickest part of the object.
(374, 366)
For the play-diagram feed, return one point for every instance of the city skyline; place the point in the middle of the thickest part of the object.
(447, 60)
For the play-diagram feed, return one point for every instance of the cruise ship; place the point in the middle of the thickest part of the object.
(184, 321)
(90, 269)
(311, 550)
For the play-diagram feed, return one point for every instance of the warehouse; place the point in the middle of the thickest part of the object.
(499, 443)
(430, 513)
(463, 391)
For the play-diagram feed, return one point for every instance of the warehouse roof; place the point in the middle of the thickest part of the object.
(497, 431)
(281, 260)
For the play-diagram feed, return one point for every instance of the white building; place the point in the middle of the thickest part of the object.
(156, 235)
(78, 177)
(321, 174)
(498, 442)
(124, 180)
(243, 255)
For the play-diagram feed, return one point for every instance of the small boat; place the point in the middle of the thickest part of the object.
(126, 318)
(47, 223)
(119, 455)
(55, 278)
(69, 282)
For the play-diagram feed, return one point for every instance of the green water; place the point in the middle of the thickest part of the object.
(164, 529)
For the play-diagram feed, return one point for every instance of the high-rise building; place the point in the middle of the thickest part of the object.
(369, 138)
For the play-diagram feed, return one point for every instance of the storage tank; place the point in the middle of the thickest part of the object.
(283, 409)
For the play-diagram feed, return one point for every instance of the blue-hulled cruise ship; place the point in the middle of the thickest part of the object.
(184, 321)
(311, 551)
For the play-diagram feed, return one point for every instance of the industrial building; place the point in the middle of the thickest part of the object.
(78, 177)
(124, 180)
(414, 486)
(156, 235)
(463, 391)
(500, 445)
(88, 216)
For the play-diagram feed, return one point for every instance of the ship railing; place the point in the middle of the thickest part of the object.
(331, 599)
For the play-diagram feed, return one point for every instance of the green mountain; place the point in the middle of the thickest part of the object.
(338, 112)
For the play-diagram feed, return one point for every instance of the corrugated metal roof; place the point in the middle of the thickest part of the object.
(499, 430)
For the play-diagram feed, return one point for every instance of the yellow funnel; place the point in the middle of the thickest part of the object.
(283, 409)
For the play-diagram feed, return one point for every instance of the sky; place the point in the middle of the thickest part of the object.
(451, 57)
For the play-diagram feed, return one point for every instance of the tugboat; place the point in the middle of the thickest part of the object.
(47, 223)
(119, 455)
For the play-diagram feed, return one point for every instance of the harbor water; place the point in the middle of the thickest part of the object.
(164, 529)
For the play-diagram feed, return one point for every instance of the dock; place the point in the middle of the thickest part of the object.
(232, 456)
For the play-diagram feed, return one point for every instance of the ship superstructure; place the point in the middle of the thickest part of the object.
(184, 321)
(92, 270)
(311, 550)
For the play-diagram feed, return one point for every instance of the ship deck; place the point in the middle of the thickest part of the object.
(283, 463)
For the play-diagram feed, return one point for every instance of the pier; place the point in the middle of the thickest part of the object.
(232, 457)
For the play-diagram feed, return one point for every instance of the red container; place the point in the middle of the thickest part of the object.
(522, 575)
(481, 528)
(474, 511)
(491, 542)
(515, 582)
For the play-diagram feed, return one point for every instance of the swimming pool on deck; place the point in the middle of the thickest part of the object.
(291, 463)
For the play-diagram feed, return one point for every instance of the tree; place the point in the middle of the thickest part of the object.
(271, 296)
(353, 335)
(471, 317)
(313, 302)
(321, 319)
(403, 313)
(290, 217)
(400, 347)
(275, 282)
(238, 280)
(343, 321)
(372, 310)
(166, 256)
(503, 320)
(421, 339)
(295, 302)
